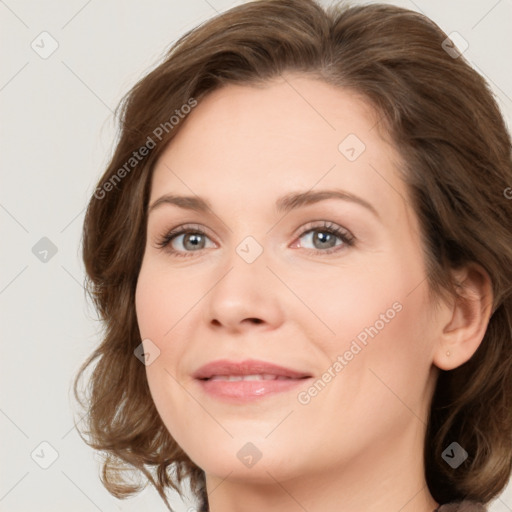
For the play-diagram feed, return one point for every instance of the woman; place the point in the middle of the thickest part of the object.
(302, 254)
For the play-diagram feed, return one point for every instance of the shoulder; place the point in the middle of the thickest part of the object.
(463, 506)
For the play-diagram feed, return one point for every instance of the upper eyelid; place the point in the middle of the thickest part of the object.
(308, 225)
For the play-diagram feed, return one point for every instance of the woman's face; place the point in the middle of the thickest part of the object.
(271, 281)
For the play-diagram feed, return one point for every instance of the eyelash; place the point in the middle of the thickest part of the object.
(327, 227)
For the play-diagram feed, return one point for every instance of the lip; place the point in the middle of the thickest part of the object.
(285, 379)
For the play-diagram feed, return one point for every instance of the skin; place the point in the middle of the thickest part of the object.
(358, 444)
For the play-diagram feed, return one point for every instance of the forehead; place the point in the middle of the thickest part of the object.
(294, 110)
(245, 142)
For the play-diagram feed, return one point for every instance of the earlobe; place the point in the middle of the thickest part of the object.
(469, 315)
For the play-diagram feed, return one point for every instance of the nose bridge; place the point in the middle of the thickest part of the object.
(250, 249)
(249, 274)
(248, 238)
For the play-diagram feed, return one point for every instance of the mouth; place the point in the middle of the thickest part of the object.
(249, 369)
(247, 380)
(237, 378)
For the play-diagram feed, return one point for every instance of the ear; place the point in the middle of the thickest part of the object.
(465, 320)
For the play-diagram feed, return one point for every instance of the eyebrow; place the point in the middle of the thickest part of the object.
(283, 204)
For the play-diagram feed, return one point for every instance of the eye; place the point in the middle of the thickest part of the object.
(323, 237)
(193, 239)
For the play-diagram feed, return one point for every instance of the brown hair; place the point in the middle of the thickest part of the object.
(456, 151)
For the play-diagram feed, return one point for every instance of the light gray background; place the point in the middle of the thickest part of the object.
(57, 136)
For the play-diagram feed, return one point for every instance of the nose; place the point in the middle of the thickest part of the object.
(247, 296)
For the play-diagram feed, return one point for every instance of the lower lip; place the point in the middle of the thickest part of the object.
(247, 390)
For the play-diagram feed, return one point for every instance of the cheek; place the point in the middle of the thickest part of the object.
(162, 305)
(157, 313)
(362, 304)
(160, 301)
(394, 362)
(379, 316)
(383, 379)
(145, 298)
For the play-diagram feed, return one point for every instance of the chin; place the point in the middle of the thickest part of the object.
(243, 459)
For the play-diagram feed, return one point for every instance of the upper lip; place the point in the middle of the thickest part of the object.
(246, 367)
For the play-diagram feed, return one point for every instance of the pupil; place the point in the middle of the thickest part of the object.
(322, 237)
(193, 238)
